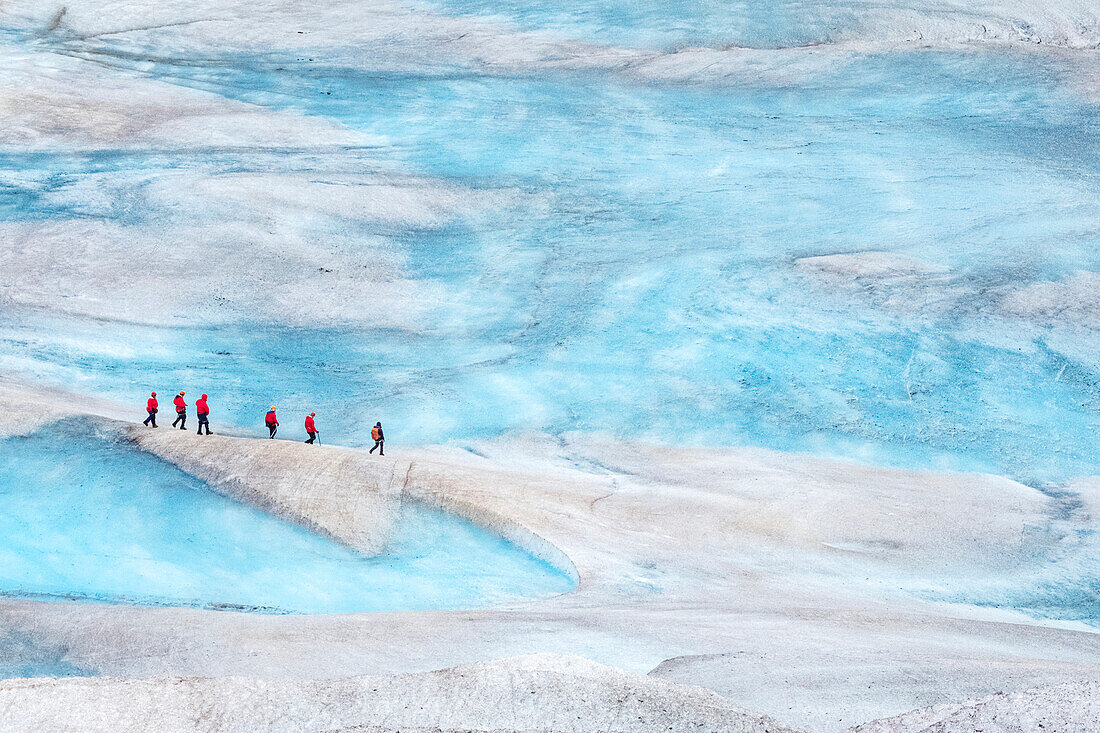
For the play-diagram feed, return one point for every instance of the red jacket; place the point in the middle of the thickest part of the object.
(151, 404)
(201, 408)
(310, 426)
(271, 419)
(179, 403)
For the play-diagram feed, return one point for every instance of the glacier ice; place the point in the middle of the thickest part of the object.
(470, 227)
(89, 516)
(474, 274)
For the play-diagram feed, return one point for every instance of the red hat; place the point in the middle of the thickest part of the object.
(154, 394)
(313, 414)
(204, 397)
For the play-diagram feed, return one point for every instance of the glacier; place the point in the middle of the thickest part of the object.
(540, 225)
(88, 516)
(778, 320)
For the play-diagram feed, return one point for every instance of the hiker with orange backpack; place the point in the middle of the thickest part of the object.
(181, 411)
(378, 438)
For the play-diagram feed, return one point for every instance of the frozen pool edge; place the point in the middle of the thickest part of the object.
(320, 488)
(432, 491)
(355, 504)
(108, 522)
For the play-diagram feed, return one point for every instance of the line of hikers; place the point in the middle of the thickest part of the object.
(270, 420)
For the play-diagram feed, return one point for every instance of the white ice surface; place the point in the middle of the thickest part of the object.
(1067, 708)
(415, 28)
(549, 693)
(1074, 300)
(305, 238)
(51, 100)
(395, 36)
(745, 560)
(786, 584)
(870, 265)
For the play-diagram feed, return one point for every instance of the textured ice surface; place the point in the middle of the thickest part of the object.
(88, 517)
(1061, 579)
(24, 656)
(545, 692)
(796, 22)
(648, 277)
(1066, 708)
(467, 231)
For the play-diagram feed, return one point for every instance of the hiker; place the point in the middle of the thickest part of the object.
(204, 414)
(378, 437)
(311, 427)
(181, 411)
(151, 407)
(272, 421)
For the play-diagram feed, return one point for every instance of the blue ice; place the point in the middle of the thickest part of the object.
(673, 23)
(87, 516)
(652, 292)
(23, 655)
(656, 297)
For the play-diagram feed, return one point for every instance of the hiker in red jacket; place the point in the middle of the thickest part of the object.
(271, 421)
(311, 427)
(181, 411)
(204, 414)
(151, 408)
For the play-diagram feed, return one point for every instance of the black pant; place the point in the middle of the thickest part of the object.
(204, 419)
(312, 437)
(152, 419)
(181, 418)
(272, 427)
(378, 445)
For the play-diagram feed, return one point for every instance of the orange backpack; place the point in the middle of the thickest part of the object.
(375, 433)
